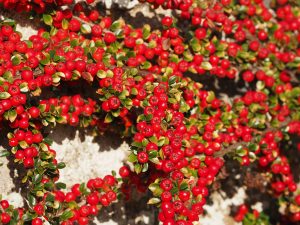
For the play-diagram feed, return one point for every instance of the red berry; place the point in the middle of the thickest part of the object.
(124, 171)
(248, 76)
(36, 221)
(4, 204)
(5, 218)
(297, 199)
(167, 21)
(34, 112)
(200, 33)
(28, 163)
(142, 157)
(39, 209)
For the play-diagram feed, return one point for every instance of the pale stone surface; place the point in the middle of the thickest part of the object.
(218, 212)
(7, 187)
(87, 158)
(123, 3)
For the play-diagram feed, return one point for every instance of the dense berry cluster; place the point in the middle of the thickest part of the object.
(140, 81)
(37, 6)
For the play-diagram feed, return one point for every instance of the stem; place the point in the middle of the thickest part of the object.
(234, 146)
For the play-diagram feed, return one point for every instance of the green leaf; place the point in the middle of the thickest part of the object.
(31, 200)
(116, 113)
(183, 106)
(61, 165)
(172, 100)
(153, 201)
(47, 19)
(48, 141)
(134, 91)
(46, 35)
(8, 22)
(145, 167)
(155, 160)
(45, 61)
(42, 107)
(23, 144)
(115, 25)
(4, 153)
(146, 31)
(12, 115)
(195, 44)
(86, 29)
(51, 166)
(155, 189)
(4, 95)
(241, 152)
(184, 186)
(145, 142)
(296, 92)
(163, 141)
(137, 168)
(16, 60)
(50, 198)
(221, 47)
(83, 189)
(152, 154)
(108, 118)
(153, 139)
(132, 158)
(206, 65)
(24, 87)
(8, 76)
(24, 179)
(43, 147)
(146, 65)
(28, 216)
(253, 147)
(37, 178)
(172, 80)
(210, 97)
(137, 144)
(15, 217)
(101, 74)
(65, 25)
(168, 72)
(260, 85)
(252, 156)
(60, 185)
(66, 215)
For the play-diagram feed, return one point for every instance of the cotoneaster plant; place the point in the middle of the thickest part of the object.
(143, 85)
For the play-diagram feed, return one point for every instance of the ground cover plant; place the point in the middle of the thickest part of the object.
(153, 87)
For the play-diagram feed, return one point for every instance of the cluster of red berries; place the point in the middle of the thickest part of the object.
(197, 59)
(242, 212)
(96, 194)
(271, 158)
(179, 130)
(296, 214)
(70, 109)
(183, 5)
(37, 6)
(263, 43)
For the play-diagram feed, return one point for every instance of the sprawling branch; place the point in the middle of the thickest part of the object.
(234, 146)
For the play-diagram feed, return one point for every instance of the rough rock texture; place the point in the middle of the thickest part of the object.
(87, 156)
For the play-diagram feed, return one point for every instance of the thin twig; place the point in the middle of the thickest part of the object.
(234, 146)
